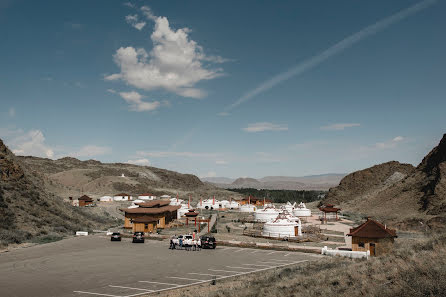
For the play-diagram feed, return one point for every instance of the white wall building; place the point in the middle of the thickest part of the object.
(106, 199)
(147, 196)
(122, 197)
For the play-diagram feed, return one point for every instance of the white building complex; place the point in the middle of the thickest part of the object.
(248, 208)
(147, 196)
(282, 227)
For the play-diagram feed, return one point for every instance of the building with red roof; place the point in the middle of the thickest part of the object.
(372, 236)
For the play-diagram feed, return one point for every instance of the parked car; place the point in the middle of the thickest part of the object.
(138, 237)
(116, 236)
(208, 242)
(187, 240)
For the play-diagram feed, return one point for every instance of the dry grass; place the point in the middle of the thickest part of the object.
(415, 268)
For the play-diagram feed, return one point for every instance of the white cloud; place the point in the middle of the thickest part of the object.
(389, 144)
(31, 143)
(91, 151)
(11, 112)
(221, 162)
(175, 62)
(111, 91)
(133, 21)
(264, 126)
(339, 126)
(137, 104)
(142, 162)
(129, 4)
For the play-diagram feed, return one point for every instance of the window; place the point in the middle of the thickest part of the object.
(361, 244)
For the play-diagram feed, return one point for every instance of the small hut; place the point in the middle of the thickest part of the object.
(85, 200)
(372, 236)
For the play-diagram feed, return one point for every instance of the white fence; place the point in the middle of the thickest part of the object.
(349, 254)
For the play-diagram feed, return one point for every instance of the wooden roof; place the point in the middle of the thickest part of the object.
(153, 203)
(85, 198)
(372, 229)
(122, 194)
(329, 209)
(152, 210)
(144, 220)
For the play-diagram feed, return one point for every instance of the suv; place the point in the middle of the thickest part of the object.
(116, 236)
(138, 237)
(208, 242)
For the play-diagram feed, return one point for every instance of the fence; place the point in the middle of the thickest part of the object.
(349, 254)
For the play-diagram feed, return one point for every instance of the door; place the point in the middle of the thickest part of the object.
(372, 249)
(296, 230)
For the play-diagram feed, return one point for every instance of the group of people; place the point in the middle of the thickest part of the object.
(188, 242)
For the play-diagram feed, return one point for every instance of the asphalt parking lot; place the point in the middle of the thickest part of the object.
(95, 266)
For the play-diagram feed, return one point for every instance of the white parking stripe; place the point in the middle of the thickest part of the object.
(131, 288)
(274, 263)
(236, 272)
(98, 294)
(159, 283)
(240, 267)
(287, 255)
(192, 279)
(239, 250)
(208, 274)
(274, 252)
(280, 260)
(260, 265)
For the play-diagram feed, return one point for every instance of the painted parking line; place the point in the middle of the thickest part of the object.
(286, 255)
(97, 294)
(185, 278)
(222, 270)
(256, 251)
(274, 252)
(239, 250)
(280, 260)
(206, 274)
(235, 267)
(260, 265)
(131, 288)
(167, 284)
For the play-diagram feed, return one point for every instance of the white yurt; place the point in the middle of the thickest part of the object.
(122, 197)
(209, 204)
(266, 214)
(230, 204)
(301, 211)
(247, 208)
(176, 201)
(106, 199)
(182, 210)
(289, 207)
(282, 227)
(147, 196)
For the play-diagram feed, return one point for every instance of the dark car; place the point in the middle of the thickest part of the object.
(138, 237)
(208, 242)
(116, 236)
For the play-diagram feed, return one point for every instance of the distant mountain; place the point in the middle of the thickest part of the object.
(313, 182)
(398, 193)
(218, 180)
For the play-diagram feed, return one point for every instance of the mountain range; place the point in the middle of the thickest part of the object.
(311, 182)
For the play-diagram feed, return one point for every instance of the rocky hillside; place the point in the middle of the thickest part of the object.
(72, 177)
(27, 210)
(398, 193)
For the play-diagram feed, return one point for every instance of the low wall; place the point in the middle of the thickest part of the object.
(349, 254)
(269, 246)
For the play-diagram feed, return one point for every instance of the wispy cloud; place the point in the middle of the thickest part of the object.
(332, 51)
(133, 21)
(221, 162)
(11, 112)
(167, 154)
(134, 99)
(91, 151)
(339, 126)
(31, 143)
(264, 126)
(142, 162)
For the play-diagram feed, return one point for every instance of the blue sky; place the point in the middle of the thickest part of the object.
(229, 88)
